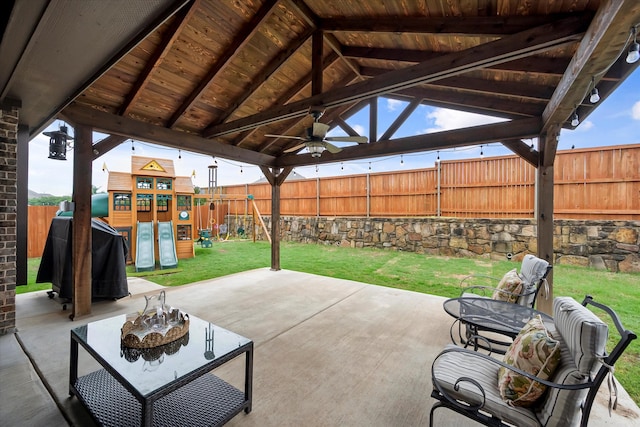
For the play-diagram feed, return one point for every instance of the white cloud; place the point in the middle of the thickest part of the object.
(445, 119)
(635, 111)
(394, 104)
(585, 126)
(360, 129)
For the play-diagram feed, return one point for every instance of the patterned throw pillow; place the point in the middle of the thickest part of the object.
(535, 352)
(510, 282)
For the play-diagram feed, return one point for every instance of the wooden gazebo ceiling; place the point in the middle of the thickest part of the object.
(218, 75)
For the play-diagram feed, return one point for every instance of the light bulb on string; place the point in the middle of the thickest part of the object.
(341, 166)
(438, 158)
(241, 169)
(481, 152)
(179, 154)
(401, 160)
(133, 148)
(634, 48)
(575, 120)
(369, 165)
(316, 168)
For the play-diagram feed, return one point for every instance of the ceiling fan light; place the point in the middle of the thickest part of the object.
(315, 150)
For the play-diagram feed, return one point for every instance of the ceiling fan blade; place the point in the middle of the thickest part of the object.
(319, 130)
(332, 148)
(299, 138)
(296, 148)
(358, 139)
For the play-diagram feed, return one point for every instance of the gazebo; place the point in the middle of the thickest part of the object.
(238, 79)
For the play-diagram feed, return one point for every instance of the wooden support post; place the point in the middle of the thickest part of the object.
(544, 198)
(81, 235)
(275, 226)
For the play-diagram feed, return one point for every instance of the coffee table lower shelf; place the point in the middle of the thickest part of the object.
(205, 401)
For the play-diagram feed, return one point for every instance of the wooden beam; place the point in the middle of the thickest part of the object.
(482, 86)
(455, 25)
(402, 117)
(317, 45)
(81, 229)
(506, 49)
(522, 128)
(276, 177)
(129, 128)
(373, 119)
(474, 102)
(599, 48)
(544, 217)
(519, 147)
(239, 41)
(107, 144)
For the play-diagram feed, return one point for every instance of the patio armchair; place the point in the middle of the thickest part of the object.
(521, 288)
(473, 384)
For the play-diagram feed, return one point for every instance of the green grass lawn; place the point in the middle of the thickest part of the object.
(403, 270)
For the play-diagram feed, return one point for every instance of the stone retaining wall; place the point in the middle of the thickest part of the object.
(610, 245)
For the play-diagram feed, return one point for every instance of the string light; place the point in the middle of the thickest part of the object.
(401, 160)
(481, 152)
(595, 96)
(341, 166)
(438, 158)
(369, 165)
(241, 169)
(575, 120)
(179, 154)
(133, 148)
(316, 168)
(634, 48)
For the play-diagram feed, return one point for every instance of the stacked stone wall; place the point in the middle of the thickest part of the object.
(8, 220)
(610, 245)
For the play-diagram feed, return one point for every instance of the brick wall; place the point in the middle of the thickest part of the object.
(610, 245)
(8, 204)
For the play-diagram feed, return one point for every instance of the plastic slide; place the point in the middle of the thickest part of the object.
(167, 245)
(145, 257)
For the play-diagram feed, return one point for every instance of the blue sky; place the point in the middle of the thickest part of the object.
(616, 121)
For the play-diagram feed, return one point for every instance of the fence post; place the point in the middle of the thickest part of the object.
(318, 196)
(438, 212)
(368, 195)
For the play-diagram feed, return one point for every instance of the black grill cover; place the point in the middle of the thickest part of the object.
(108, 255)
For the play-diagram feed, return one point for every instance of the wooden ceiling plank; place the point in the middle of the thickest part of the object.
(273, 66)
(522, 128)
(239, 41)
(317, 45)
(130, 128)
(456, 25)
(180, 20)
(506, 49)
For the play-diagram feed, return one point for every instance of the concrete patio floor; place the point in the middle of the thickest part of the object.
(328, 352)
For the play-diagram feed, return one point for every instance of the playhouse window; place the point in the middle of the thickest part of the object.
(121, 202)
(184, 232)
(163, 184)
(144, 183)
(184, 203)
(162, 202)
(143, 202)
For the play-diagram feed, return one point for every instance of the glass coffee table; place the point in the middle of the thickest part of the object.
(475, 316)
(166, 385)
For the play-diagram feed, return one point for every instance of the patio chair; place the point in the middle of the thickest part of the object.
(521, 288)
(468, 382)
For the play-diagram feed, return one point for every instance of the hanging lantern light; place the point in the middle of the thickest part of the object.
(58, 143)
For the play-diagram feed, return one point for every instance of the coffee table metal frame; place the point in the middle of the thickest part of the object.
(196, 397)
(473, 316)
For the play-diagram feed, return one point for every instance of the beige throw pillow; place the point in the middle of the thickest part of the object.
(512, 284)
(534, 351)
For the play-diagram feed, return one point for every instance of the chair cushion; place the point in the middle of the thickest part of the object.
(512, 284)
(583, 332)
(535, 352)
(451, 366)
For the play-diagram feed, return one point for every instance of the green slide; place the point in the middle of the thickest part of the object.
(145, 257)
(167, 245)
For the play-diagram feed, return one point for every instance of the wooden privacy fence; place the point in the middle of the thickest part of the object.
(599, 183)
(595, 183)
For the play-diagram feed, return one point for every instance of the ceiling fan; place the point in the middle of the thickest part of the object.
(317, 140)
